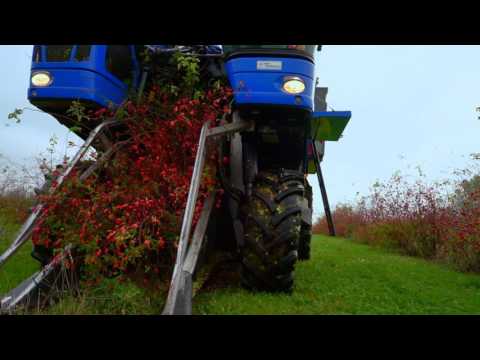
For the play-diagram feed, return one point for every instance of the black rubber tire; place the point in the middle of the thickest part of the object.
(272, 221)
(304, 248)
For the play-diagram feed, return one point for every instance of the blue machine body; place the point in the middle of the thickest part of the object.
(86, 73)
(259, 80)
(254, 79)
(87, 79)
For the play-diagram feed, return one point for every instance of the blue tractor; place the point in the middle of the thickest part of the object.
(276, 130)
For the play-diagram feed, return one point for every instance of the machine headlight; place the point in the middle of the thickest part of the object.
(293, 85)
(42, 78)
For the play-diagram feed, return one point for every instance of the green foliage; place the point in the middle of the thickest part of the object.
(180, 75)
(16, 115)
(189, 67)
(77, 111)
(52, 143)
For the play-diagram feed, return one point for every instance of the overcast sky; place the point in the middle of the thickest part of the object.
(411, 105)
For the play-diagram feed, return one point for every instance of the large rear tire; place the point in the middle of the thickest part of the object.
(272, 222)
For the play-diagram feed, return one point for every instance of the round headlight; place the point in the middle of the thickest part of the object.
(41, 79)
(294, 85)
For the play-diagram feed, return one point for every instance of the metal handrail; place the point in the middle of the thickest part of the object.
(177, 285)
(20, 293)
(27, 228)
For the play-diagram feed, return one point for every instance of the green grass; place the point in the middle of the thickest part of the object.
(21, 265)
(112, 298)
(348, 278)
(341, 278)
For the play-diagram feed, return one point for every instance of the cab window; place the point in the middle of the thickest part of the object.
(309, 49)
(59, 52)
(83, 52)
(119, 62)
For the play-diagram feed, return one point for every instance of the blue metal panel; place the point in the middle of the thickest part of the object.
(83, 80)
(79, 84)
(252, 85)
(332, 114)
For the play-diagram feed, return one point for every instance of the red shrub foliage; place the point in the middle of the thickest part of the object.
(346, 219)
(15, 205)
(16, 197)
(128, 215)
(417, 218)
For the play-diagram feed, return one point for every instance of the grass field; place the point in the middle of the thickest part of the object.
(348, 278)
(22, 264)
(341, 278)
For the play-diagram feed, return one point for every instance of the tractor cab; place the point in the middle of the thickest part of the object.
(96, 75)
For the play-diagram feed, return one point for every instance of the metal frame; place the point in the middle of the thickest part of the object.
(323, 190)
(179, 299)
(23, 291)
(28, 226)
